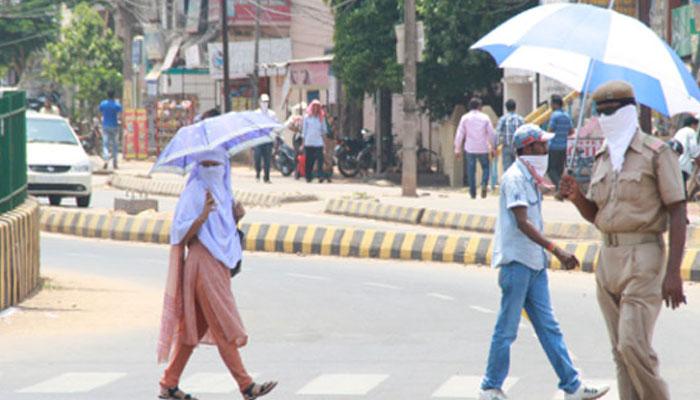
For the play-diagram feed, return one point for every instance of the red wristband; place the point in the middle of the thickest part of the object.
(551, 246)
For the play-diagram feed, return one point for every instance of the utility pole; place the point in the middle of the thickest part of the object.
(256, 57)
(126, 24)
(224, 44)
(409, 169)
(645, 112)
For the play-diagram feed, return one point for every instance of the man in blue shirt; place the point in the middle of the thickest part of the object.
(110, 110)
(561, 125)
(519, 252)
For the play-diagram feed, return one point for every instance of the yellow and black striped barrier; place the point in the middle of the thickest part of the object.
(19, 253)
(369, 209)
(325, 240)
(173, 188)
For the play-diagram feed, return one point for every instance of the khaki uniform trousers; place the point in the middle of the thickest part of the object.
(629, 281)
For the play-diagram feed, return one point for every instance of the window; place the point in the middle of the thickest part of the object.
(49, 131)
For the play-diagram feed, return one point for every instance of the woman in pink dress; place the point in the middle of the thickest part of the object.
(199, 306)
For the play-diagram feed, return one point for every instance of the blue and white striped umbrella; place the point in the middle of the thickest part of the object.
(234, 132)
(584, 46)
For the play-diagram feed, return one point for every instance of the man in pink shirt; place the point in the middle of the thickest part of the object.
(476, 137)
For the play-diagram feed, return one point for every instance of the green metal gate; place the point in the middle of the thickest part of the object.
(13, 150)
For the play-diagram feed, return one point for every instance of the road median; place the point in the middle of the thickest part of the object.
(326, 240)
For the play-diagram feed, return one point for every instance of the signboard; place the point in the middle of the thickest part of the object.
(194, 11)
(242, 12)
(135, 134)
(680, 30)
(308, 74)
(241, 56)
(628, 7)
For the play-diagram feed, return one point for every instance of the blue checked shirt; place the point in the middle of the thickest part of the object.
(507, 125)
(518, 189)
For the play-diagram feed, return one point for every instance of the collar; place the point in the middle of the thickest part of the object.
(523, 170)
(637, 144)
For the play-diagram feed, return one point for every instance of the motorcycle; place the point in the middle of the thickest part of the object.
(355, 155)
(284, 157)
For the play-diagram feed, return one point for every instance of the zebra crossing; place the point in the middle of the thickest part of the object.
(348, 385)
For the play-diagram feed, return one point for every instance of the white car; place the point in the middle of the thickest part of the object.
(57, 164)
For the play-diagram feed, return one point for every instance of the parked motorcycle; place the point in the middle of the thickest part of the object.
(345, 155)
(284, 157)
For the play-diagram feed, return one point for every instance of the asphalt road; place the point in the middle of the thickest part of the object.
(331, 328)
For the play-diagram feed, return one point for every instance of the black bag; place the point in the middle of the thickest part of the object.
(237, 268)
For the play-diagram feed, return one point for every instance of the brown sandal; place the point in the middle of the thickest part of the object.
(174, 393)
(254, 391)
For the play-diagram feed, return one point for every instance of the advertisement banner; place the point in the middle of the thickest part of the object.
(680, 30)
(135, 134)
(311, 74)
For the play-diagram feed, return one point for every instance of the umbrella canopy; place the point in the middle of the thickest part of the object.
(584, 46)
(234, 132)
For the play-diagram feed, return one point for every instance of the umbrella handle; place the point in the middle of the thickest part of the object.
(587, 84)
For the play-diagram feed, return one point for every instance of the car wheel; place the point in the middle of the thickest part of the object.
(55, 200)
(83, 201)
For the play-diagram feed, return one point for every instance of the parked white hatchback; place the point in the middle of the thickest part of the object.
(57, 164)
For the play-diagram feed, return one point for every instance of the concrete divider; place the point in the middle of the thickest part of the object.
(375, 210)
(19, 253)
(174, 188)
(325, 240)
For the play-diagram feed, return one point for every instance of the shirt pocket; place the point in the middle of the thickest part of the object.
(629, 186)
(599, 188)
(533, 196)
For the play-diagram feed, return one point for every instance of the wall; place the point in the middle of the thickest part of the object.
(19, 253)
(312, 28)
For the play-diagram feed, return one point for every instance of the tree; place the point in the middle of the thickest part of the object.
(450, 73)
(88, 59)
(26, 28)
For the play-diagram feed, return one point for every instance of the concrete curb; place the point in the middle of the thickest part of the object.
(375, 210)
(324, 240)
(19, 253)
(172, 188)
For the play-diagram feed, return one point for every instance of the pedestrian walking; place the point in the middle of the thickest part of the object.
(110, 109)
(561, 125)
(636, 192)
(313, 129)
(507, 125)
(476, 138)
(49, 107)
(262, 153)
(519, 253)
(199, 306)
(687, 136)
(328, 145)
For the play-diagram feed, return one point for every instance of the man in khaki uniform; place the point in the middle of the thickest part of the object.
(636, 190)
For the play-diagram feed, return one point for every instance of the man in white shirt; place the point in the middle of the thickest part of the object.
(687, 136)
(49, 107)
(263, 152)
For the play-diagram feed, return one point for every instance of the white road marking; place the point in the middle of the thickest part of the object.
(74, 382)
(382, 285)
(210, 382)
(466, 386)
(304, 276)
(441, 296)
(611, 395)
(482, 309)
(343, 384)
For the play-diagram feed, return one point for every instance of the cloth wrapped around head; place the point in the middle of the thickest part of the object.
(218, 234)
(310, 109)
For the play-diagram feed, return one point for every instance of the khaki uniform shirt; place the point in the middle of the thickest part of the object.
(634, 199)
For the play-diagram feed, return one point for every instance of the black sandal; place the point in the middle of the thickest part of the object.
(174, 393)
(254, 391)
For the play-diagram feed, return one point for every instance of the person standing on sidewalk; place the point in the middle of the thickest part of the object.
(507, 125)
(636, 192)
(313, 129)
(476, 138)
(110, 109)
(687, 136)
(519, 253)
(262, 153)
(199, 306)
(561, 125)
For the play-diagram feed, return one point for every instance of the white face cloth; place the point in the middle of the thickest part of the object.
(538, 163)
(619, 129)
(264, 106)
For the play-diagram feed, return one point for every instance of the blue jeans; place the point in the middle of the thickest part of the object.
(110, 144)
(508, 158)
(523, 287)
(494, 172)
(470, 171)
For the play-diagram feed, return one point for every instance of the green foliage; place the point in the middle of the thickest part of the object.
(24, 29)
(88, 59)
(365, 46)
(450, 73)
